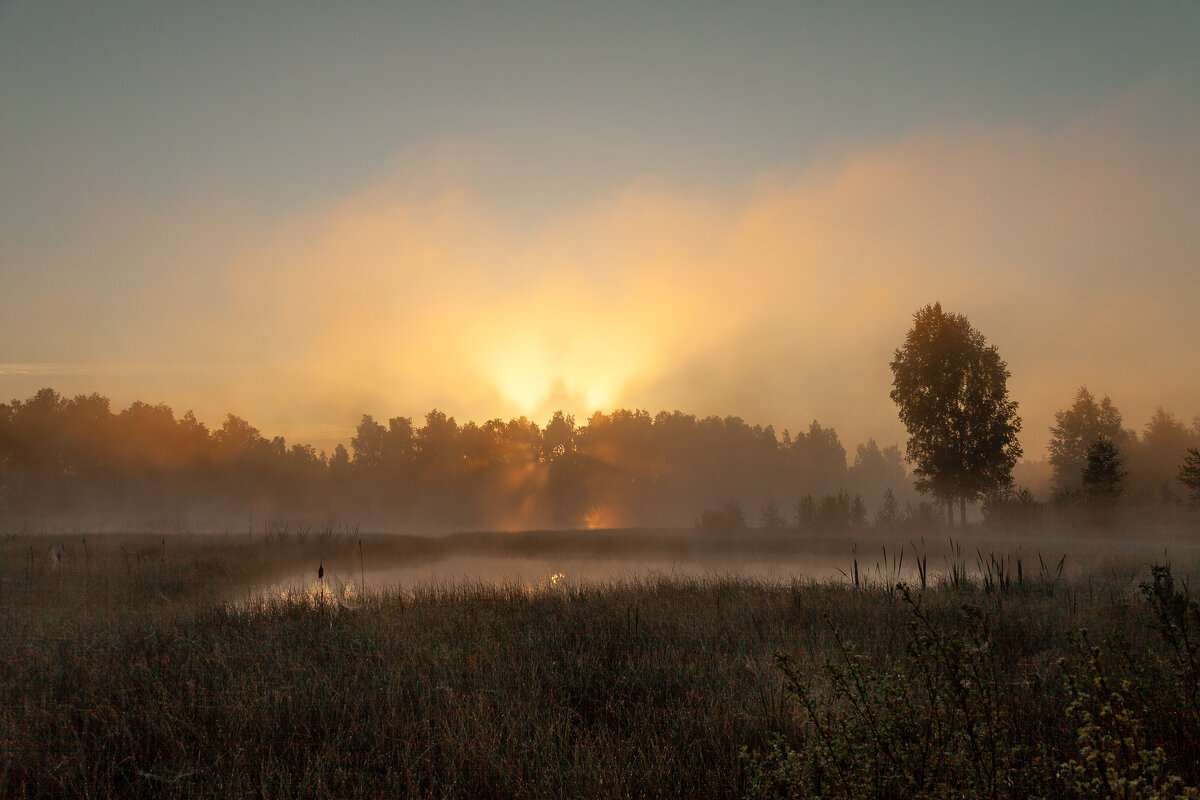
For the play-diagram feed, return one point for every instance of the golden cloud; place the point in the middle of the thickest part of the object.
(1075, 253)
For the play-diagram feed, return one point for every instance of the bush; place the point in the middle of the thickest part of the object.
(1011, 506)
(729, 518)
(770, 517)
(838, 511)
(935, 724)
(965, 713)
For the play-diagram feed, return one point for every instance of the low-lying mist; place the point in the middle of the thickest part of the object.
(74, 464)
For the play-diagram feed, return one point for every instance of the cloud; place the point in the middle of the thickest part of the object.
(1074, 251)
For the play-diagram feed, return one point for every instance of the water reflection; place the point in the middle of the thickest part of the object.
(343, 586)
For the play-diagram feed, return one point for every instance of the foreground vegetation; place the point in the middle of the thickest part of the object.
(133, 669)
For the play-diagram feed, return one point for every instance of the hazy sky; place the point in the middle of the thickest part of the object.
(300, 212)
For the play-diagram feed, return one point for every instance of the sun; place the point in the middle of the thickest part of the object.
(538, 374)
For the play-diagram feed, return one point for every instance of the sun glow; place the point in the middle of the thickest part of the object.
(538, 392)
(600, 516)
(541, 369)
(778, 301)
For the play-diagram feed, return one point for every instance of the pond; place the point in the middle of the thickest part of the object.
(547, 559)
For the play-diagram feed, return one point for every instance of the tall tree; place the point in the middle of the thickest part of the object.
(820, 458)
(1075, 430)
(952, 391)
(558, 437)
(367, 442)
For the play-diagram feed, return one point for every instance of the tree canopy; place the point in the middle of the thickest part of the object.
(1075, 430)
(1102, 473)
(72, 458)
(951, 388)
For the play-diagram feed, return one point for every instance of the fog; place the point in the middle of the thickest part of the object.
(779, 299)
(539, 561)
(77, 464)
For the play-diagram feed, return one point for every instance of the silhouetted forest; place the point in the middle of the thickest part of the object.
(76, 461)
(143, 466)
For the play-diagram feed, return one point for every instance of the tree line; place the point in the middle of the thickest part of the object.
(1092, 454)
(69, 457)
(74, 456)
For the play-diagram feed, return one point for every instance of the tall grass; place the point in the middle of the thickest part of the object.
(137, 671)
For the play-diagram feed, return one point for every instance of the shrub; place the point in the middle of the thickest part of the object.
(729, 518)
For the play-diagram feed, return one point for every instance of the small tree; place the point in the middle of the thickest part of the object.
(806, 513)
(858, 512)
(1010, 505)
(1075, 430)
(952, 391)
(729, 518)
(888, 515)
(770, 517)
(1102, 473)
(1189, 473)
(834, 510)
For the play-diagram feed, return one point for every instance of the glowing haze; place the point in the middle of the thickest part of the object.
(586, 210)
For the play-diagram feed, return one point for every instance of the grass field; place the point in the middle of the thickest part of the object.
(143, 666)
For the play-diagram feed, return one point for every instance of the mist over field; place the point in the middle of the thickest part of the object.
(79, 464)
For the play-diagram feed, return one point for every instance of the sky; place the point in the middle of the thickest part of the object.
(302, 212)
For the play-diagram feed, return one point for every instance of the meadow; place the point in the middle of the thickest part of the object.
(151, 666)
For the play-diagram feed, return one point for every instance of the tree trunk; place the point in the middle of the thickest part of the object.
(962, 511)
(950, 511)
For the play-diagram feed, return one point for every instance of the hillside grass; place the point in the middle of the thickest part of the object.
(144, 666)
